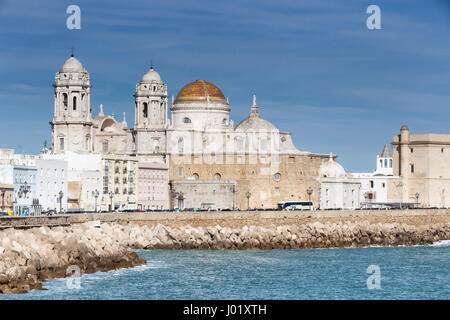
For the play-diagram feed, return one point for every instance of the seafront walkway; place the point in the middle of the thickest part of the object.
(233, 218)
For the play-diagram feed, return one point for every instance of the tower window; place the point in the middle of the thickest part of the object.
(187, 120)
(412, 150)
(74, 103)
(65, 99)
(390, 163)
(61, 143)
(412, 168)
(145, 110)
(371, 183)
(442, 150)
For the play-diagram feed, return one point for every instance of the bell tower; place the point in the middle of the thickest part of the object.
(72, 120)
(151, 117)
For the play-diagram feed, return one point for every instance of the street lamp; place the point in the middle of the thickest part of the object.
(248, 195)
(111, 196)
(417, 199)
(309, 191)
(95, 194)
(61, 195)
(3, 198)
(234, 196)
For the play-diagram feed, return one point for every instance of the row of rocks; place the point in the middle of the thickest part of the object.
(28, 257)
(312, 235)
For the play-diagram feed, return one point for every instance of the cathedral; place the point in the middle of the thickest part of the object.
(212, 162)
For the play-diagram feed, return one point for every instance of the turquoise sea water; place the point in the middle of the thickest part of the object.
(421, 272)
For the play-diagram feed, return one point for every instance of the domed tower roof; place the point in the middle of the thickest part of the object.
(72, 65)
(331, 169)
(254, 121)
(151, 76)
(200, 91)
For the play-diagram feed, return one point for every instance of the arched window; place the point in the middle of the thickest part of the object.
(218, 176)
(61, 143)
(390, 163)
(74, 103)
(195, 176)
(385, 163)
(145, 109)
(277, 177)
(65, 99)
(187, 120)
(180, 145)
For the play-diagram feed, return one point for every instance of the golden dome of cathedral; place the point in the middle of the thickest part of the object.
(199, 91)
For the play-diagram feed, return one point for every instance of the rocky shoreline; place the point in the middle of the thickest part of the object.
(28, 257)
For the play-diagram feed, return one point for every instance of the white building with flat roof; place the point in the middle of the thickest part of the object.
(51, 179)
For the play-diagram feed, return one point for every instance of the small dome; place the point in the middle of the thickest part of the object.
(72, 65)
(255, 123)
(199, 91)
(151, 75)
(404, 127)
(331, 169)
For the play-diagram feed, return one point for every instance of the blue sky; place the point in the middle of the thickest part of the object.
(315, 68)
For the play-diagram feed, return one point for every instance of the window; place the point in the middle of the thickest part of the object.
(145, 109)
(371, 183)
(74, 103)
(390, 163)
(187, 120)
(218, 176)
(65, 99)
(105, 146)
(224, 121)
(277, 177)
(383, 185)
(61, 143)
(385, 163)
(412, 168)
(180, 172)
(277, 190)
(196, 176)
(180, 145)
(412, 150)
(442, 150)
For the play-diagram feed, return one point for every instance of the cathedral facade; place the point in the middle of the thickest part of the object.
(212, 162)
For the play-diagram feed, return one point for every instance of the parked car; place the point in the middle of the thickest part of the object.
(49, 212)
(4, 214)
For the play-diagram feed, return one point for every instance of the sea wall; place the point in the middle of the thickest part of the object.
(29, 256)
(234, 219)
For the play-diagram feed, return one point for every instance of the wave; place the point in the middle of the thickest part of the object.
(441, 243)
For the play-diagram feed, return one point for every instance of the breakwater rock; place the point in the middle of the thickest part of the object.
(311, 235)
(28, 257)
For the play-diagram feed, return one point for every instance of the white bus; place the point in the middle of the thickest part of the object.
(295, 205)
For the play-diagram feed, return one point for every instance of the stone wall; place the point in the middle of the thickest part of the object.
(235, 218)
